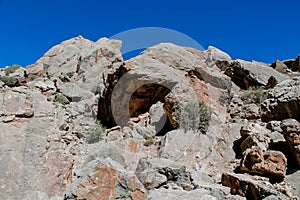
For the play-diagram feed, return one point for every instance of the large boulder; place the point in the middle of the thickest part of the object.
(166, 73)
(271, 164)
(16, 102)
(105, 179)
(255, 187)
(157, 172)
(294, 65)
(283, 101)
(247, 74)
(291, 132)
(214, 193)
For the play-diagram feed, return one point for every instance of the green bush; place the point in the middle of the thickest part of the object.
(149, 141)
(62, 99)
(9, 81)
(96, 134)
(254, 95)
(97, 90)
(11, 69)
(194, 115)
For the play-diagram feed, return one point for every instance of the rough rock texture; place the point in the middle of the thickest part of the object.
(283, 101)
(81, 123)
(155, 173)
(246, 74)
(294, 65)
(272, 164)
(254, 187)
(105, 179)
(291, 132)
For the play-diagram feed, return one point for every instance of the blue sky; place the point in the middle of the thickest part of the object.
(250, 30)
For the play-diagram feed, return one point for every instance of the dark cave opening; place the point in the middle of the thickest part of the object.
(140, 101)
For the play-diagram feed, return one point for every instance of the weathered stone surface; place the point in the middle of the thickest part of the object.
(197, 194)
(253, 134)
(293, 180)
(246, 74)
(146, 82)
(271, 164)
(158, 117)
(274, 126)
(174, 56)
(291, 132)
(217, 57)
(105, 179)
(45, 151)
(252, 187)
(157, 172)
(251, 111)
(213, 76)
(15, 103)
(294, 65)
(252, 128)
(283, 101)
(279, 66)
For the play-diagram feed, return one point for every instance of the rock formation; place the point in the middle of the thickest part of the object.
(171, 123)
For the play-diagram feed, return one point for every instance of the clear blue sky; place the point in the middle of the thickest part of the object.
(259, 30)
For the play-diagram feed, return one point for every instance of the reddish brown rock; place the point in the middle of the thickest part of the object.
(291, 132)
(105, 179)
(271, 164)
(255, 188)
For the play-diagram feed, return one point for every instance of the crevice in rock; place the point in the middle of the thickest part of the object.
(145, 96)
(138, 103)
(282, 146)
(283, 110)
(166, 128)
(240, 77)
(104, 104)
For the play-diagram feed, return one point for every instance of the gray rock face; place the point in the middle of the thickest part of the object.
(291, 132)
(254, 135)
(105, 179)
(157, 172)
(246, 74)
(283, 101)
(53, 147)
(17, 103)
(253, 187)
(294, 65)
(279, 66)
(197, 194)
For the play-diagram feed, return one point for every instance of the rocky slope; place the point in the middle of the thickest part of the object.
(171, 123)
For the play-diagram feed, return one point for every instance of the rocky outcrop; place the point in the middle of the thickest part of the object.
(283, 101)
(255, 187)
(294, 65)
(247, 74)
(279, 66)
(171, 123)
(105, 179)
(291, 132)
(159, 172)
(270, 163)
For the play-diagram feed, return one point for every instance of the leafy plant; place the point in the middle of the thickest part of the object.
(149, 141)
(255, 95)
(62, 99)
(11, 69)
(97, 90)
(96, 134)
(194, 115)
(9, 81)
